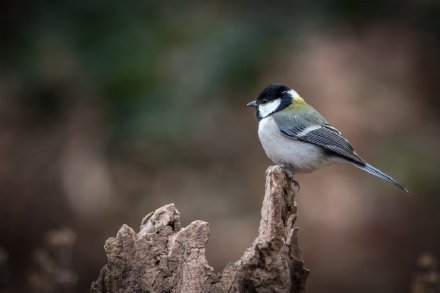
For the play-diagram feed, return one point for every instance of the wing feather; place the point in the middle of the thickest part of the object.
(332, 141)
(319, 132)
(316, 131)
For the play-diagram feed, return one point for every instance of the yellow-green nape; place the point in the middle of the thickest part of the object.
(298, 99)
(298, 103)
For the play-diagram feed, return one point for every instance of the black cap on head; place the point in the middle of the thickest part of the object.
(271, 92)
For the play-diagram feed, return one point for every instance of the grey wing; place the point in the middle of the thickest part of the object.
(323, 135)
(332, 140)
(293, 125)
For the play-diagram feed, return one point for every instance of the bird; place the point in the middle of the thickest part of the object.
(297, 137)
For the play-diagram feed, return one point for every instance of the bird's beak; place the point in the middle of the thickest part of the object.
(252, 104)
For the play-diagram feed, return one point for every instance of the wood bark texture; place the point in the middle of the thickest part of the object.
(163, 257)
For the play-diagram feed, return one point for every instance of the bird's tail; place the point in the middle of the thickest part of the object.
(376, 172)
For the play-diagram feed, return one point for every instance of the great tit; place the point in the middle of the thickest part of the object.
(295, 135)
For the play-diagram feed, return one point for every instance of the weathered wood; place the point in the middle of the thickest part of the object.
(163, 257)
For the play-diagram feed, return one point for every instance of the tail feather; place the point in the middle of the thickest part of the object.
(372, 170)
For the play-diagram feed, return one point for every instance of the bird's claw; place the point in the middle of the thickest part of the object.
(289, 174)
(296, 184)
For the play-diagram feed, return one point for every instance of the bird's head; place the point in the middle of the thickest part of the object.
(274, 98)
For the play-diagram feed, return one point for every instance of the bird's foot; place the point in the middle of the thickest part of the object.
(289, 174)
(296, 184)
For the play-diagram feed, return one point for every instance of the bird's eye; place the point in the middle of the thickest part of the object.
(264, 101)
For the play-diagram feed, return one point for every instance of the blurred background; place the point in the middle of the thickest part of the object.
(109, 110)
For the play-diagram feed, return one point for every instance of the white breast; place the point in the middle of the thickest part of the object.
(303, 157)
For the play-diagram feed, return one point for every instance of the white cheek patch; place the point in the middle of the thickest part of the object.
(268, 108)
(293, 93)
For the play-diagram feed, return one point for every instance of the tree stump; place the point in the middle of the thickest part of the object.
(163, 257)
